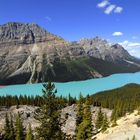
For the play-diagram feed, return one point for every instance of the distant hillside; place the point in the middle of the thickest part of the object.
(30, 54)
(122, 100)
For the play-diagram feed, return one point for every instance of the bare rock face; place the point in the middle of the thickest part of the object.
(127, 127)
(27, 114)
(101, 49)
(25, 50)
(30, 54)
(19, 33)
(68, 120)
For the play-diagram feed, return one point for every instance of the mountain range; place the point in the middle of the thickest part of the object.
(30, 54)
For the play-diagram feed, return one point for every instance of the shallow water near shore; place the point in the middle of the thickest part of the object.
(85, 87)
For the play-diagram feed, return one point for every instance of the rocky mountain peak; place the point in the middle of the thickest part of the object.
(22, 33)
(96, 39)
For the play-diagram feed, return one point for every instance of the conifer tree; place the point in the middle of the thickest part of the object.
(7, 128)
(80, 112)
(80, 109)
(81, 99)
(87, 110)
(12, 130)
(19, 128)
(29, 134)
(71, 100)
(105, 124)
(114, 117)
(49, 115)
(84, 129)
(100, 119)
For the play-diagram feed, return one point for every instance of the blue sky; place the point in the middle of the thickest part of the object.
(115, 20)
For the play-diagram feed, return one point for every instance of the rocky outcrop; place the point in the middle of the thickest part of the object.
(68, 120)
(27, 114)
(101, 49)
(68, 117)
(18, 33)
(30, 54)
(127, 127)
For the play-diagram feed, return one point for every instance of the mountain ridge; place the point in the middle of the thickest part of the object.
(30, 54)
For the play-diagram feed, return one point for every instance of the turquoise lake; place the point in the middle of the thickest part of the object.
(75, 88)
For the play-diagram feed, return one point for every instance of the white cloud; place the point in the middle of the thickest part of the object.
(118, 9)
(109, 9)
(132, 47)
(48, 18)
(117, 34)
(103, 4)
(130, 44)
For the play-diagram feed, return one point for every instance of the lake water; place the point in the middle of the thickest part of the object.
(75, 88)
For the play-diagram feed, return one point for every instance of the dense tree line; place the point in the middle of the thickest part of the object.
(122, 100)
(8, 101)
